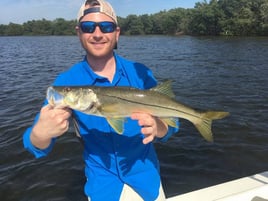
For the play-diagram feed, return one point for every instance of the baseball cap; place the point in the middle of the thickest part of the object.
(100, 6)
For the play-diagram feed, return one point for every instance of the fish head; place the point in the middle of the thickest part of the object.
(78, 98)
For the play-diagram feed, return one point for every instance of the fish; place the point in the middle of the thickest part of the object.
(117, 103)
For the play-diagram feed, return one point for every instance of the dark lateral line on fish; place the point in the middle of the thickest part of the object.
(151, 105)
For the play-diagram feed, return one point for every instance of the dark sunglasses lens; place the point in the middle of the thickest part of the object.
(107, 27)
(88, 27)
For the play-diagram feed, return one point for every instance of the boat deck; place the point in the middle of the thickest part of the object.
(252, 188)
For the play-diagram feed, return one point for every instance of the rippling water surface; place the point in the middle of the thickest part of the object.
(209, 73)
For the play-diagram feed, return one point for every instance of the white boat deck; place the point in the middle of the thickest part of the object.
(252, 188)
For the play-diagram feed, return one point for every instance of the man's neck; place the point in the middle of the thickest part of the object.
(104, 66)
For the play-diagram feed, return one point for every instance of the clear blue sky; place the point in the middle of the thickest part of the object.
(20, 11)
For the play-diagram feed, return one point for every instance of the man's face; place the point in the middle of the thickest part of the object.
(98, 44)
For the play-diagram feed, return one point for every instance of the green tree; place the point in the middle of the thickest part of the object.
(170, 22)
(206, 18)
(38, 27)
(147, 24)
(3, 29)
(14, 30)
(28, 27)
(243, 17)
(122, 24)
(63, 27)
(182, 19)
(264, 18)
(134, 24)
(157, 23)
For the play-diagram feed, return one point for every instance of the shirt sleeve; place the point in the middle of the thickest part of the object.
(170, 132)
(38, 153)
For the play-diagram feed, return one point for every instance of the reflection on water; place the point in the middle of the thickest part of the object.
(209, 73)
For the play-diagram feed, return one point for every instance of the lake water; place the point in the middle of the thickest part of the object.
(215, 73)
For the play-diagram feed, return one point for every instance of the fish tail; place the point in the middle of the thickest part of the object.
(204, 124)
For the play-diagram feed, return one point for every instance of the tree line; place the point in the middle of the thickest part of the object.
(39, 27)
(216, 17)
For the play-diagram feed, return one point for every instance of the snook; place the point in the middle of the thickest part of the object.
(116, 103)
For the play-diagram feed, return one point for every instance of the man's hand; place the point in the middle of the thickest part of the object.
(52, 123)
(151, 126)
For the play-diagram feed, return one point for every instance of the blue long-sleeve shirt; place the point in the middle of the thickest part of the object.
(112, 160)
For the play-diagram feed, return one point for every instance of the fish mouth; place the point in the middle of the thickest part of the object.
(54, 98)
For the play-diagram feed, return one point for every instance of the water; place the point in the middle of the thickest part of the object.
(227, 74)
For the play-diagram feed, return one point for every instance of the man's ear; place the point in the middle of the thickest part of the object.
(77, 29)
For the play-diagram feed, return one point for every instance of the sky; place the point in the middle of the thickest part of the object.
(20, 11)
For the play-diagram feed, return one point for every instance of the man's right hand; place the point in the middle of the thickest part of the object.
(53, 122)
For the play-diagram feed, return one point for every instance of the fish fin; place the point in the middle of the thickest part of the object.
(76, 127)
(215, 115)
(117, 124)
(204, 124)
(170, 121)
(165, 88)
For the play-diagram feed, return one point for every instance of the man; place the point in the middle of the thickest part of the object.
(117, 167)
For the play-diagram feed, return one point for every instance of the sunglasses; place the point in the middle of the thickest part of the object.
(105, 27)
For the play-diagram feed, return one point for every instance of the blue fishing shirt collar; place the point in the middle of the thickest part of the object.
(95, 78)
